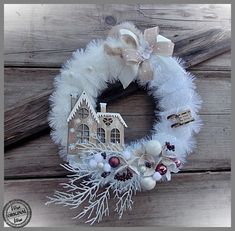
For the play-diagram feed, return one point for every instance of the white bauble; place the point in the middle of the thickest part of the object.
(157, 176)
(100, 165)
(98, 157)
(127, 154)
(143, 169)
(147, 183)
(153, 147)
(92, 163)
(107, 167)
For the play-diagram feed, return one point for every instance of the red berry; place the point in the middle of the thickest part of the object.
(114, 161)
(148, 165)
(161, 168)
(105, 174)
(176, 161)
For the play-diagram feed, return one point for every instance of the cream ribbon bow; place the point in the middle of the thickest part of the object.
(139, 58)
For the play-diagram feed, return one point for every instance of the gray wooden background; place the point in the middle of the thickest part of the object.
(39, 38)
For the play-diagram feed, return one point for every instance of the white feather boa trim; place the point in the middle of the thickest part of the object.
(91, 69)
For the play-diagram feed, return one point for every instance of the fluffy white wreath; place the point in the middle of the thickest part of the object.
(93, 68)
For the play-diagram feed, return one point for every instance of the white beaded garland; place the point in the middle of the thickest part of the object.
(100, 165)
(107, 167)
(157, 176)
(153, 147)
(147, 183)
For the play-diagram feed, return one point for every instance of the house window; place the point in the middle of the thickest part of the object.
(83, 133)
(83, 113)
(115, 136)
(107, 121)
(101, 134)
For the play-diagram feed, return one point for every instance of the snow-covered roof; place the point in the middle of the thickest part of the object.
(82, 98)
(117, 115)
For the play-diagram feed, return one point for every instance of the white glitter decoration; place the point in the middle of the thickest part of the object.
(72, 146)
(90, 121)
(77, 121)
(72, 130)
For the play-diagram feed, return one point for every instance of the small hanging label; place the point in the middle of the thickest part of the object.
(181, 118)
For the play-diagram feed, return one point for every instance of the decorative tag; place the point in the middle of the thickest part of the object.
(181, 118)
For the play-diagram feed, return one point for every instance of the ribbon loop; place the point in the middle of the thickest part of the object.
(132, 55)
(150, 35)
(145, 71)
(138, 58)
(129, 37)
(164, 48)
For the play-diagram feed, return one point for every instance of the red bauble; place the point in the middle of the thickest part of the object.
(161, 168)
(114, 161)
(178, 163)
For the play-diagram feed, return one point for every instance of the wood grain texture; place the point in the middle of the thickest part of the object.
(46, 35)
(23, 83)
(199, 46)
(219, 63)
(20, 120)
(194, 48)
(199, 199)
(30, 116)
(39, 38)
(213, 151)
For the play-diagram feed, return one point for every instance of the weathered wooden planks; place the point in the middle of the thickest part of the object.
(46, 35)
(219, 63)
(30, 116)
(214, 88)
(20, 120)
(41, 155)
(193, 47)
(23, 83)
(14, 131)
(199, 46)
(199, 199)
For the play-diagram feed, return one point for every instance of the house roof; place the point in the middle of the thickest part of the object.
(82, 98)
(117, 115)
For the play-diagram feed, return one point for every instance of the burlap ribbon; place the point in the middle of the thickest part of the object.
(139, 58)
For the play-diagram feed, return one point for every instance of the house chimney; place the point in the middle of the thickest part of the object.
(74, 99)
(103, 107)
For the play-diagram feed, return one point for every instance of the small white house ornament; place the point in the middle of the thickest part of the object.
(93, 142)
(93, 126)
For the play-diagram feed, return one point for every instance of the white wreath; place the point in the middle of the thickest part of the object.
(172, 87)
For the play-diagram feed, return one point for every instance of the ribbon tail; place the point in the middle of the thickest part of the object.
(127, 75)
(150, 35)
(145, 71)
(126, 81)
(164, 46)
